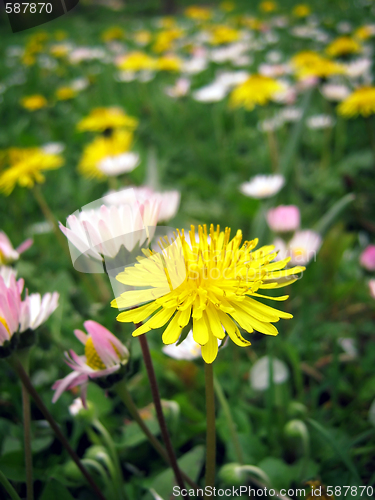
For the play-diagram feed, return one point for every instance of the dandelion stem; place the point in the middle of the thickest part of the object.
(125, 396)
(211, 430)
(159, 410)
(8, 487)
(26, 414)
(25, 379)
(231, 425)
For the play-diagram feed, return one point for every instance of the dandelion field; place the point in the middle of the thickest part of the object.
(255, 117)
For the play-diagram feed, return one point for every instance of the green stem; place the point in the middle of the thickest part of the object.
(48, 214)
(47, 415)
(371, 134)
(159, 410)
(117, 473)
(26, 413)
(8, 487)
(228, 416)
(211, 431)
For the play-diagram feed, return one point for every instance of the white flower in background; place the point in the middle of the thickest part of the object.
(169, 201)
(263, 186)
(179, 89)
(126, 76)
(274, 70)
(335, 91)
(287, 95)
(195, 65)
(211, 93)
(188, 349)
(146, 76)
(41, 228)
(301, 249)
(270, 124)
(348, 346)
(242, 61)
(260, 373)
(37, 310)
(274, 56)
(102, 231)
(344, 27)
(76, 407)
(359, 67)
(320, 121)
(230, 79)
(79, 84)
(290, 114)
(371, 285)
(119, 164)
(53, 148)
(229, 53)
(80, 54)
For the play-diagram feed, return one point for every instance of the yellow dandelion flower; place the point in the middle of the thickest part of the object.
(251, 22)
(59, 50)
(113, 33)
(360, 102)
(301, 10)
(169, 63)
(65, 93)
(364, 32)
(165, 39)
(223, 34)
(136, 61)
(34, 102)
(311, 64)
(142, 37)
(213, 281)
(101, 119)
(198, 13)
(342, 46)
(26, 166)
(257, 89)
(101, 149)
(268, 6)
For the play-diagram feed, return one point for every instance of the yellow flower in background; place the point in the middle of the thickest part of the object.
(113, 33)
(59, 50)
(227, 6)
(169, 63)
(34, 45)
(212, 281)
(364, 32)
(342, 46)
(360, 102)
(26, 166)
(301, 10)
(142, 37)
(136, 61)
(251, 22)
(101, 119)
(65, 93)
(34, 102)
(257, 89)
(60, 35)
(223, 34)
(311, 64)
(100, 152)
(198, 13)
(164, 40)
(168, 22)
(268, 6)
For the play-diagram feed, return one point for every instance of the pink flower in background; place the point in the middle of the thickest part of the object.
(371, 285)
(284, 218)
(104, 355)
(7, 252)
(11, 307)
(301, 249)
(367, 258)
